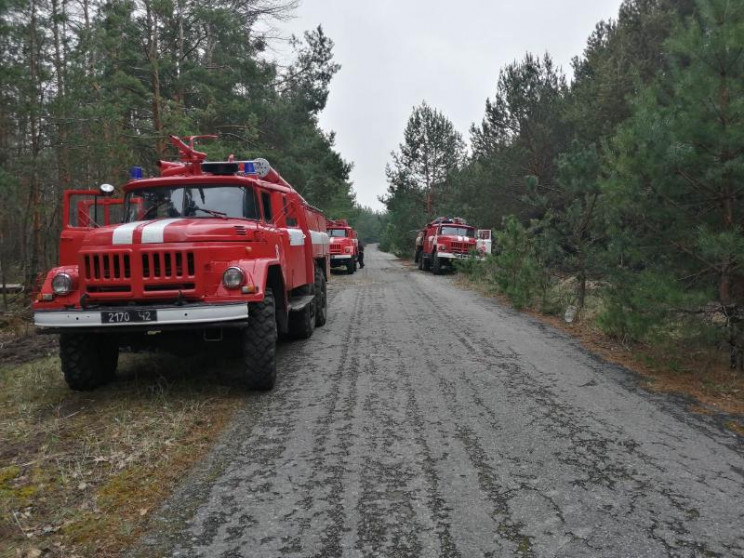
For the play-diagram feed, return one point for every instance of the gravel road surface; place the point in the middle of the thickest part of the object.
(428, 421)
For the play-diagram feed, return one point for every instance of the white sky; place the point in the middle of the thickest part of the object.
(395, 54)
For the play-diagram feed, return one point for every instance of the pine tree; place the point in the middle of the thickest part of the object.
(418, 177)
(521, 135)
(679, 162)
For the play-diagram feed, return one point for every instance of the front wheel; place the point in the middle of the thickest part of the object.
(259, 345)
(88, 360)
(436, 264)
(350, 267)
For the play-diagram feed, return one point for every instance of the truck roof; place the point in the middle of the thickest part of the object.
(193, 168)
(338, 224)
(164, 181)
(459, 221)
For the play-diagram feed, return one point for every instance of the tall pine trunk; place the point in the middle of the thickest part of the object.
(34, 195)
(152, 55)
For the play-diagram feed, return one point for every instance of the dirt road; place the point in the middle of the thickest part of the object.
(427, 421)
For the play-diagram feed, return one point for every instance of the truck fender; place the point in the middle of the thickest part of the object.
(269, 274)
(258, 272)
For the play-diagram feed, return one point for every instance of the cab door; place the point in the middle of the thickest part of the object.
(483, 241)
(296, 255)
(430, 238)
(82, 211)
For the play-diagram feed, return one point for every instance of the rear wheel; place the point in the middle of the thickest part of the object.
(321, 298)
(302, 322)
(88, 360)
(259, 345)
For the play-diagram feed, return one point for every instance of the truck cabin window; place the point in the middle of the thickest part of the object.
(266, 202)
(457, 231)
(289, 213)
(193, 201)
(338, 233)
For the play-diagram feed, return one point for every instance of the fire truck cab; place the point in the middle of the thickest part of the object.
(443, 241)
(209, 252)
(344, 245)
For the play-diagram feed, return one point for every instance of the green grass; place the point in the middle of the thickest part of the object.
(81, 471)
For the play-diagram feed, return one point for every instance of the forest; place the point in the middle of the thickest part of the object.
(617, 192)
(91, 89)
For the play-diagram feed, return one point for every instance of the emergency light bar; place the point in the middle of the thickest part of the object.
(193, 163)
(229, 167)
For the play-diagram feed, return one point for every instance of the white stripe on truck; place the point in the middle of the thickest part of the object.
(123, 234)
(154, 232)
(320, 238)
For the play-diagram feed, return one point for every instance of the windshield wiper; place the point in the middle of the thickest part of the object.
(212, 212)
(152, 211)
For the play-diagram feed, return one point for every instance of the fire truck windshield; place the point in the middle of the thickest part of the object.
(457, 231)
(191, 201)
(338, 233)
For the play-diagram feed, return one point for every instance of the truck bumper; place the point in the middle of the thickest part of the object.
(341, 259)
(454, 256)
(161, 317)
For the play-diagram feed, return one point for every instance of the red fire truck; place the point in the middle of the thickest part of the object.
(344, 245)
(445, 240)
(208, 252)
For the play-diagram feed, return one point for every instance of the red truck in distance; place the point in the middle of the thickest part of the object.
(344, 245)
(447, 239)
(224, 254)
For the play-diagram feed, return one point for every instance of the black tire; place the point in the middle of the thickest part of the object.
(259, 345)
(321, 298)
(302, 322)
(88, 360)
(436, 264)
(425, 263)
(350, 267)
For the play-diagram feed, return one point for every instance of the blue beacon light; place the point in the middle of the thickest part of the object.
(135, 173)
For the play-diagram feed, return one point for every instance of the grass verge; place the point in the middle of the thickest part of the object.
(81, 472)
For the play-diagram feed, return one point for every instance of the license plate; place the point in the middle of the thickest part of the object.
(129, 316)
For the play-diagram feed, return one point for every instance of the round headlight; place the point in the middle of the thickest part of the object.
(62, 284)
(233, 277)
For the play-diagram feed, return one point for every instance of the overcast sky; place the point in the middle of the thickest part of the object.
(394, 54)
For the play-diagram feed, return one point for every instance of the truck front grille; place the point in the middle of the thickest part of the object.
(108, 266)
(138, 273)
(167, 265)
(336, 249)
(459, 248)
